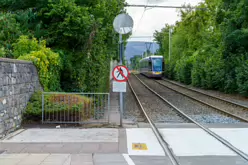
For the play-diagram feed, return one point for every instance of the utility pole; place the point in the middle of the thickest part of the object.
(169, 44)
(148, 47)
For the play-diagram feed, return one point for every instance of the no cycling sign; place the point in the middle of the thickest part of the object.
(120, 73)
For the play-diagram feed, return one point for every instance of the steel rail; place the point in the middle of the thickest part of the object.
(207, 104)
(162, 142)
(219, 138)
(218, 98)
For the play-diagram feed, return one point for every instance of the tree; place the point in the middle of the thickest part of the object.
(80, 31)
(209, 46)
(135, 62)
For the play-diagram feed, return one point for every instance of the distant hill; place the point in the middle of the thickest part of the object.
(138, 48)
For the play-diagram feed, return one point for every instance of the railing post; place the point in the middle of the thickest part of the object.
(108, 107)
(42, 108)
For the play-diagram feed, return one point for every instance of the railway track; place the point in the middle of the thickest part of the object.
(195, 109)
(165, 146)
(226, 101)
(227, 107)
(159, 111)
(155, 130)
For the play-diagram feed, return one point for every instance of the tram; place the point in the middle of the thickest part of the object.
(152, 66)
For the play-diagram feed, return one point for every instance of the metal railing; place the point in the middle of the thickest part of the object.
(78, 108)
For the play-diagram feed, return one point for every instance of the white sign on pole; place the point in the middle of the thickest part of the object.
(119, 86)
(123, 23)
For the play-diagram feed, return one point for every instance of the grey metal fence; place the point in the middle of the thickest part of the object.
(75, 107)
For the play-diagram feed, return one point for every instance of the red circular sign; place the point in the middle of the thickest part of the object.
(120, 73)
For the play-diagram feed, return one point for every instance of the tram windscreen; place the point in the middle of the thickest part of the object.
(157, 64)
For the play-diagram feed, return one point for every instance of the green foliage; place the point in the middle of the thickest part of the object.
(209, 47)
(47, 62)
(135, 62)
(242, 78)
(2, 52)
(9, 32)
(70, 105)
(183, 70)
(24, 46)
(80, 31)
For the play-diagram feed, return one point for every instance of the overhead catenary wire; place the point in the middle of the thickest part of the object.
(141, 17)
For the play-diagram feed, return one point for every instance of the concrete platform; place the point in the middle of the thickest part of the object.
(65, 135)
(191, 145)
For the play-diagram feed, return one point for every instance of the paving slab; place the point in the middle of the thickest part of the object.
(33, 159)
(151, 160)
(212, 160)
(109, 159)
(33, 148)
(12, 147)
(77, 159)
(46, 159)
(122, 141)
(56, 158)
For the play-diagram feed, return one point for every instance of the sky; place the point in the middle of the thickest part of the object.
(153, 18)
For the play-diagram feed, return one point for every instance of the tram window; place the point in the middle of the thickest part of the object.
(157, 64)
(150, 66)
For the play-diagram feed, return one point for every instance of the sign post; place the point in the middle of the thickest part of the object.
(120, 74)
(123, 24)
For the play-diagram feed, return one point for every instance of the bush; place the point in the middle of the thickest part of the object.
(59, 107)
(183, 70)
(47, 62)
(242, 78)
(10, 30)
(24, 46)
(2, 52)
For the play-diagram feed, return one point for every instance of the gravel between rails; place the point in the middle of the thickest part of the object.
(217, 103)
(155, 108)
(232, 97)
(132, 110)
(197, 111)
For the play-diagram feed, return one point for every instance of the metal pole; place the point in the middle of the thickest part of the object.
(108, 107)
(121, 94)
(169, 44)
(43, 102)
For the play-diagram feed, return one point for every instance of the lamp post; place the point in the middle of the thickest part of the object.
(170, 48)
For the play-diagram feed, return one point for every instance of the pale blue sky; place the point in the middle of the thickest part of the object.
(155, 18)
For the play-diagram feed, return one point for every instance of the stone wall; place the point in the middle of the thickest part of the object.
(18, 81)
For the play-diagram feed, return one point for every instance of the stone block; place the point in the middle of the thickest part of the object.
(5, 90)
(7, 68)
(4, 116)
(16, 112)
(2, 128)
(10, 112)
(13, 80)
(1, 80)
(1, 106)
